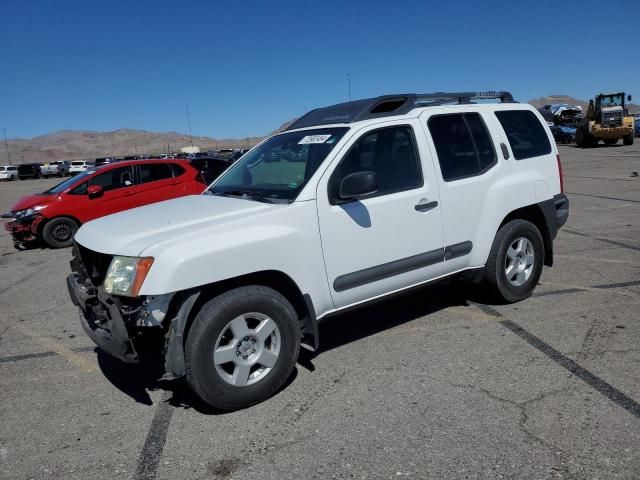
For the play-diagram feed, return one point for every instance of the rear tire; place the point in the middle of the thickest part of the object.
(628, 140)
(242, 347)
(59, 232)
(515, 261)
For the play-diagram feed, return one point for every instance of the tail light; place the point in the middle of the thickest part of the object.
(560, 174)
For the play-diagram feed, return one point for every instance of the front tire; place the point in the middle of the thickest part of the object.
(628, 140)
(515, 262)
(59, 232)
(242, 347)
(582, 138)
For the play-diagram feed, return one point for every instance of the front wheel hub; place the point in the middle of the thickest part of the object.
(247, 349)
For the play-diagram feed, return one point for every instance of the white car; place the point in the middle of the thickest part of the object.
(353, 202)
(8, 172)
(79, 167)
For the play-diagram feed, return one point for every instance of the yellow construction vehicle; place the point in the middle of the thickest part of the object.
(607, 119)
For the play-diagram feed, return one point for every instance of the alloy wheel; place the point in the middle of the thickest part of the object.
(519, 261)
(247, 349)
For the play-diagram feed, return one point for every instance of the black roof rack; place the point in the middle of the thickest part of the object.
(387, 105)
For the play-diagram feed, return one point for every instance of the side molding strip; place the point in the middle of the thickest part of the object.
(397, 267)
(457, 250)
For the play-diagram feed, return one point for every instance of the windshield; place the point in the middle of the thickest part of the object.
(61, 187)
(77, 163)
(612, 101)
(280, 167)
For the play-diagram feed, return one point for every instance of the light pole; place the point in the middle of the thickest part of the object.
(349, 83)
(189, 122)
(6, 144)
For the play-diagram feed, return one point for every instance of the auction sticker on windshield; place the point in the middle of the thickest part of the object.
(314, 139)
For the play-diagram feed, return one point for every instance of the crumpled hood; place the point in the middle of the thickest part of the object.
(131, 231)
(32, 200)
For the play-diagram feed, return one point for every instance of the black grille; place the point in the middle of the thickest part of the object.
(611, 119)
(95, 264)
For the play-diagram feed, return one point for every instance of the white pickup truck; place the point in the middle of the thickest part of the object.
(55, 169)
(353, 202)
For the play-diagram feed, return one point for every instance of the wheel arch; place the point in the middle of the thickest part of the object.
(535, 215)
(185, 306)
(48, 219)
(43, 223)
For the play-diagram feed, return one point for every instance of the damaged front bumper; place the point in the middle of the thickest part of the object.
(24, 229)
(128, 328)
(102, 320)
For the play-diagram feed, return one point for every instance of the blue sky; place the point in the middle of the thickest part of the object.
(246, 67)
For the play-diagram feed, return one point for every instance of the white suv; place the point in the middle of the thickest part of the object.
(351, 203)
(8, 172)
(79, 166)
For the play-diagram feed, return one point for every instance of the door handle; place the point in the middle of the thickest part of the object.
(425, 207)
(505, 151)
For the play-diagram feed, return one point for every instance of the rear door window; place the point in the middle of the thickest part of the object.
(152, 172)
(525, 133)
(463, 145)
(177, 169)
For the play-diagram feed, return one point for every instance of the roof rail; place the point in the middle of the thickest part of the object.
(462, 97)
(388, 105)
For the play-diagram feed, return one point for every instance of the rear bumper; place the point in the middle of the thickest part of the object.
(561, 205)
(102, 321)
(556, 213)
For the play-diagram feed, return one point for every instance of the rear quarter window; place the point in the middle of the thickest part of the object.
(463, 145)
(525, 133)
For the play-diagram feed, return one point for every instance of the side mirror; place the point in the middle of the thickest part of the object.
(358, 184)
(94, 191)
(628, 98)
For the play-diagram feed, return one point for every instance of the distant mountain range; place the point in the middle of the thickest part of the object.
(79, 145)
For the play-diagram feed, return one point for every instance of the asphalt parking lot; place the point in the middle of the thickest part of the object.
(432, 384)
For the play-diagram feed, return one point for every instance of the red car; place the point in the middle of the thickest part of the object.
(55, 215)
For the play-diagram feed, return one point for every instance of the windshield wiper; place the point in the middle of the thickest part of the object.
(257, 196)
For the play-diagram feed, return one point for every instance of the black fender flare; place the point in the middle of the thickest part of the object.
(174, 364)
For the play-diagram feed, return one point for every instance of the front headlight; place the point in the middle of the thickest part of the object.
(126, 275)
(28, 212)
